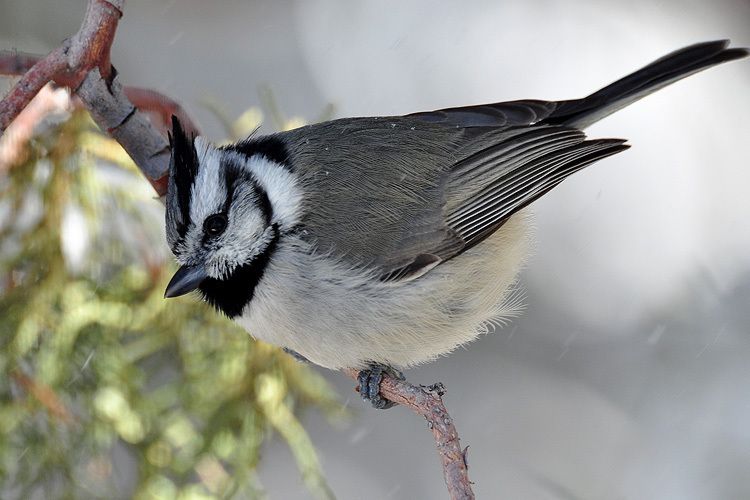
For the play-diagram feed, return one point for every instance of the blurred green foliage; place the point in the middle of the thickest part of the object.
(106, 386)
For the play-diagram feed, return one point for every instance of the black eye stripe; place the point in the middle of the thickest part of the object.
(233, 176)
(264, 202)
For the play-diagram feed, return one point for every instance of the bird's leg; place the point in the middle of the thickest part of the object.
(369, 384)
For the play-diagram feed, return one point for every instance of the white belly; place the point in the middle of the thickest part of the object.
(338, 317)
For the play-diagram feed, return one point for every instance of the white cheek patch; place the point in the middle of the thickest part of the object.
(209, 191)
(242, 241)
(247, 234)
(281, 187)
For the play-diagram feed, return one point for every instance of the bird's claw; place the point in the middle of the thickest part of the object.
(369, 385)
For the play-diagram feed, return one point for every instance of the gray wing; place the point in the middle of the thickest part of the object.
(400, 195)
(499, 114)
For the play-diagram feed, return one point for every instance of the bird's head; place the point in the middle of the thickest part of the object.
(220, 222)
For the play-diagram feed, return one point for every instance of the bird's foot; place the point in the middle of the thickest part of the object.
(369, 385)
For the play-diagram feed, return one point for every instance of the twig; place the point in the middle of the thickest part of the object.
(13, 63)
(29, 86)
(428, 402)
(82, 64)
(69, 63)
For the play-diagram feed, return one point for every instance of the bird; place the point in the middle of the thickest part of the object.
(382, 243)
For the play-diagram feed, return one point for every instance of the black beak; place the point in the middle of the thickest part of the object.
(186, 279)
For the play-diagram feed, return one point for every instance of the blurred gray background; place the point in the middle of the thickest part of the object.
(629, 374)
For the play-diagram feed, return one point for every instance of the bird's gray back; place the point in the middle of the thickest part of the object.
(374, 187)
(399, 195)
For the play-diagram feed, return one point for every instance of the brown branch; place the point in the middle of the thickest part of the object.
(29, 86)
(428, 402)
(69, 63)
(82, 64)
(161, 107)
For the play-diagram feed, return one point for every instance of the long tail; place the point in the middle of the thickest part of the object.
(580, 113)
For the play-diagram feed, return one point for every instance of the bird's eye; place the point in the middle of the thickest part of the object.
(215, 224)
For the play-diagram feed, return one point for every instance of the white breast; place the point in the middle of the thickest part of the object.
(340, 317)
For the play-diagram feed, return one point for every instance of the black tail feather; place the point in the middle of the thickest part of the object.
(581, 113)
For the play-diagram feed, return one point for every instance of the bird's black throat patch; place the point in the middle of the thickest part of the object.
(232, 294)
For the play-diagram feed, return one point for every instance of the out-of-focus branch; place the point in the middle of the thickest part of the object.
(82, 64)
(428, 402)
(160, 106)
(13, 148)
(45, 395)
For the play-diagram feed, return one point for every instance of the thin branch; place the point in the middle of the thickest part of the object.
(428, 402)
(161, 106)
(82, 64)
(13, 63)
(69, 63)
(29, 86)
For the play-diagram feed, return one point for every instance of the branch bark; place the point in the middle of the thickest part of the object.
(428, 402)
(15, 63)
(82, 63)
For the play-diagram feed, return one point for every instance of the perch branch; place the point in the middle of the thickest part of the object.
(428, 402)
(82, 64)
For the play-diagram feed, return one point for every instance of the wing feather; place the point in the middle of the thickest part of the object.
(518, 190)
(500, 114)
(399, 196)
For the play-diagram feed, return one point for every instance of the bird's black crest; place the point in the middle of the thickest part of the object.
(183, 168)
(231, 295)
(270, 147)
